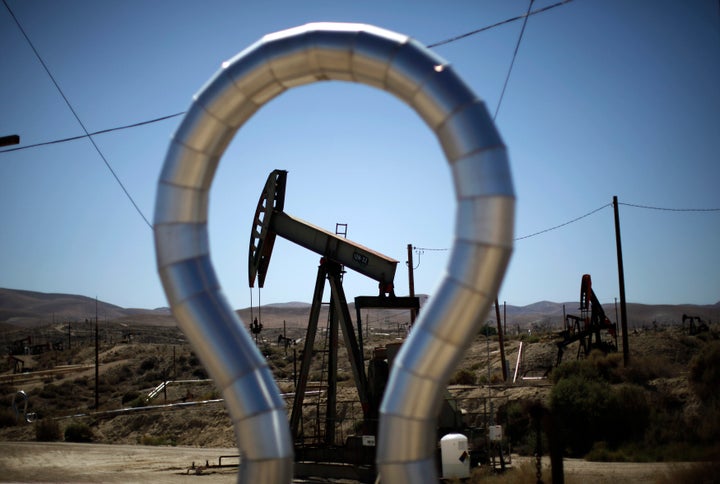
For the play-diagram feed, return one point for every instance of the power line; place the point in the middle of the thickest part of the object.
(576, 219)
(103, 131)
(512, 62)
(67, 102)
(666, 209)
(498, 24)
(421, 250)
(169, 116)
(564, 224)
(533, 234)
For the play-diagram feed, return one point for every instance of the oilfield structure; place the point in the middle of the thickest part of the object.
(340, 366)
(333, 426)
(358, 387)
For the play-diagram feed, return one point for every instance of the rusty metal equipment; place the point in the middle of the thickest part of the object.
(20, 346)
(587, 328)
(692, 327)
(17, 364)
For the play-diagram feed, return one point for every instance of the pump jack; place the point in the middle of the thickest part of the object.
(589, 324)
(693, 328)
(337, 253)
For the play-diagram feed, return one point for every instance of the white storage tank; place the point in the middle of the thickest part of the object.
(454, 456)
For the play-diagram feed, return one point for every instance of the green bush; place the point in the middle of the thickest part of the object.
(704, 376)
(516, 418)
(584, 409)
(488, 330)
(47, 430)
(574, 368)
(78, 432)
(609, 367)
(533, 338)
(630, 411)
(591, 410)
(463, 377)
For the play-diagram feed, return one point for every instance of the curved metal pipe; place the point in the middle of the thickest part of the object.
(483, 234)
(28, 417)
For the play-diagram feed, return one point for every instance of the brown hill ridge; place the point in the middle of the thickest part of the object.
(20, 308)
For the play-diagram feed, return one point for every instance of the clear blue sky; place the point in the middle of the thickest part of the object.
(605, 98)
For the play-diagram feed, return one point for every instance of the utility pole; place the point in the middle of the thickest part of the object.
(621, 280)
(97, 359)
(504, 317)
(501, 341)
(411, 282)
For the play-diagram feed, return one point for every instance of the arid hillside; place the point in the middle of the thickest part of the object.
(151, 389)
(26, 309)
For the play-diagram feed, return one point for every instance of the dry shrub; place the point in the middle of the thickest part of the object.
(47, 430)
(141, 421)
(195, 423)
(643, 369)
(148, 364)
(608, 366)
(156, 440)
(78, 432)
(704, 374)
(463, 377)
(130, 396)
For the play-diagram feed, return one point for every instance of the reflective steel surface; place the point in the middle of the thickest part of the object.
(481, 251)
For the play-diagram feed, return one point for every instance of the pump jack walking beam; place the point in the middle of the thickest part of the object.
(271, 221)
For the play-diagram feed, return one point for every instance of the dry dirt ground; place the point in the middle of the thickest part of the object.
(204, 432)
(67, 462)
